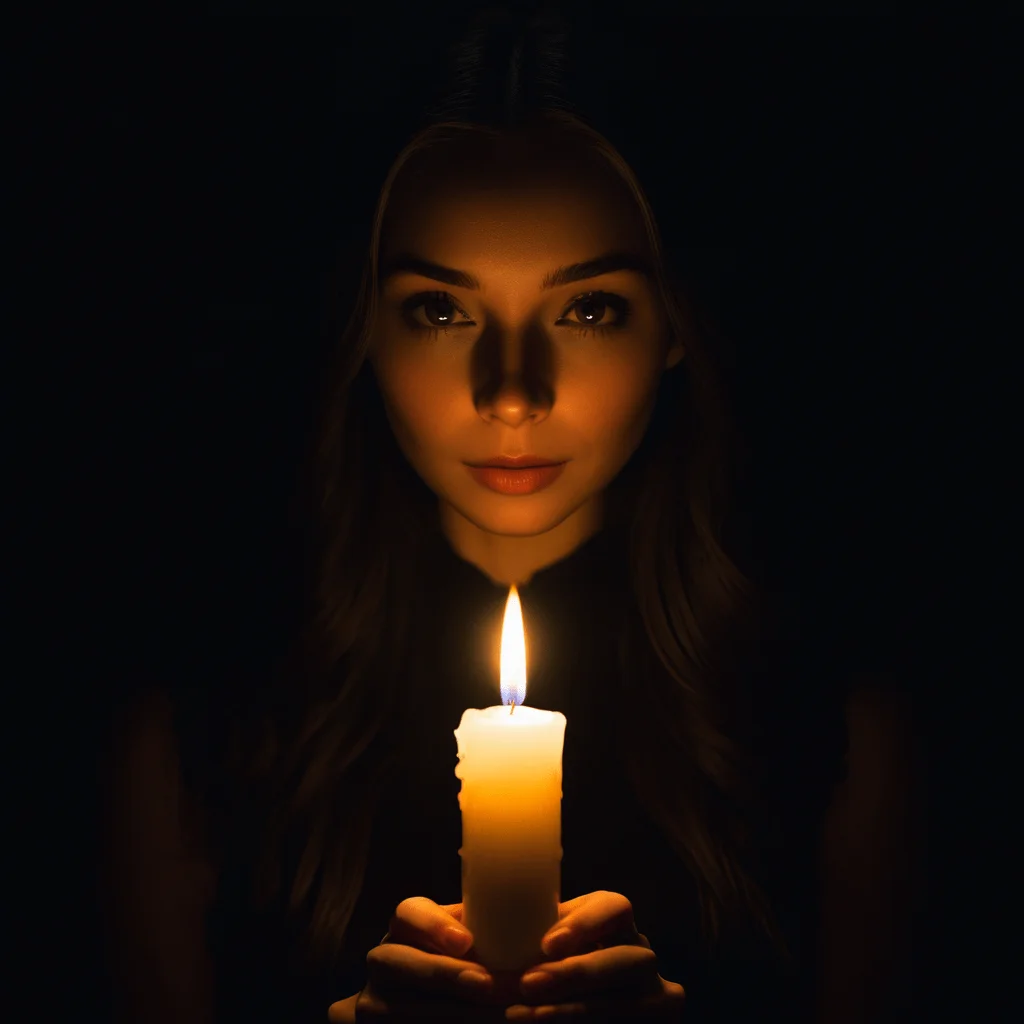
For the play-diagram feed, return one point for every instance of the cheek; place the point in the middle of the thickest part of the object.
(421, 398)
(613, 404)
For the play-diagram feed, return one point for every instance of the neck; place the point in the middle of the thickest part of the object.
(507, 559)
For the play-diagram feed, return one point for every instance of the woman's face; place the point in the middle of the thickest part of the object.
(516, 318)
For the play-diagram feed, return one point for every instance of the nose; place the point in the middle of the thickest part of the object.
(513, 405)
(513, 377)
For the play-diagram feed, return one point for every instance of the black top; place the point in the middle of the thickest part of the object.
(573, 611)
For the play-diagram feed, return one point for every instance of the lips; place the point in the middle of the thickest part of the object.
(516, 476)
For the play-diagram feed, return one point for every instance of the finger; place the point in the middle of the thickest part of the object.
(619, 968)
(398, 968)
(452, 909)
(595, 918)
(421, 922)
(343, 1011)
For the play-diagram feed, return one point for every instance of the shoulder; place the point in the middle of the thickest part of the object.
(884, 758)
(872, 857)
(149, 712)
(144, 744)
(145, 784)
(157, 880)
(880, 722)
(141, 734)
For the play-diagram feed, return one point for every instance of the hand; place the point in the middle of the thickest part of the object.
(602, 968)
(422, 971)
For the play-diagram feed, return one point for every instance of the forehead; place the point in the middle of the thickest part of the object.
(487, 202)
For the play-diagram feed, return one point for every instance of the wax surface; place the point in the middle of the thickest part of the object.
(510, 766)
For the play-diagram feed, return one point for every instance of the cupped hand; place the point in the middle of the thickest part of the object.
(600, 968)
(422, 970)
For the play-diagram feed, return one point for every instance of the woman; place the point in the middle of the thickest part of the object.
(516, 310)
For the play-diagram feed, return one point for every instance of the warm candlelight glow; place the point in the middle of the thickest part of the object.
(510, 769)
(513, 652)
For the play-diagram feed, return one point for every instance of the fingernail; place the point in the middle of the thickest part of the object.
(536, 981)
(556, 942)
(473, 981)
(458, 940)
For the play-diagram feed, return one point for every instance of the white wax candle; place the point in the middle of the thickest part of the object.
(510, 766)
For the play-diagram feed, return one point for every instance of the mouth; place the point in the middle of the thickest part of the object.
(516, 462)
(525, 475)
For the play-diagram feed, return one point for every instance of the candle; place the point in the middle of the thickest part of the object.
(510, 766)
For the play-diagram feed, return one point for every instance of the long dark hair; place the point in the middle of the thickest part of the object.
(307, 751)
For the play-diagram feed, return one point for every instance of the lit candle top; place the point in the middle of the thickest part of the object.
(513, 651)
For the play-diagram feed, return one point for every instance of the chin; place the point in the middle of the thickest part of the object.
(527, 516)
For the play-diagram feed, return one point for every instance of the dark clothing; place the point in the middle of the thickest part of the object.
(573, 612)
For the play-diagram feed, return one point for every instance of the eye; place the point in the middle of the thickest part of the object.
(432, 311)
(595, 310)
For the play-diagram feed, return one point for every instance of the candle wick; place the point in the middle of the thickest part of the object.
(512, 709)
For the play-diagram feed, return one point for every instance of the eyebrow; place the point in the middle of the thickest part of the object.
(606, 264)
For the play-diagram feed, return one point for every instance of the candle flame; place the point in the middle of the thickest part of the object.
(513, 652)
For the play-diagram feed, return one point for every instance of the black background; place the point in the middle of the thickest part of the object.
(190, 190)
